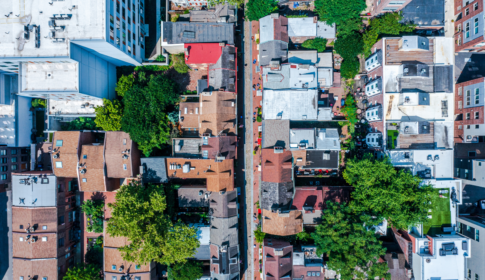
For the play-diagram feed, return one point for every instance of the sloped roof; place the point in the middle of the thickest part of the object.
(276, 133)
(224, 231)
(218, 113)
(273, 27)
(118, 142)
(273, 50)
(220, 13)
(278, 259)
(276, 195)
(223, 205)
(283, 224)
(308, 197)
(276, 167)
(68, 153)
(154, 170)
(94, 164)
(193, 196)
(222, 145)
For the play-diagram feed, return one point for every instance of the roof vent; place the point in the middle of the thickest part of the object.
(278, 150)
(186, 168)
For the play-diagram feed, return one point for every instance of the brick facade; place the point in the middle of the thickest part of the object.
(378, 6)
(12, 160)
(461, 113)
(460, 12)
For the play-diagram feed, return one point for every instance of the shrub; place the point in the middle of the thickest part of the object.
(179, 63)
(95, 210)
(259, 235)
(349, 68)
(174, 18)
(160, 58)
(108, 116)
(39, 103)
(319, 44)
(81, 123)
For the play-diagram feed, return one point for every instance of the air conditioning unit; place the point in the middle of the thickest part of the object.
(55, 156)
(83, 171)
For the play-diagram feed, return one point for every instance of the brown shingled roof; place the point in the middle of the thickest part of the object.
(222, 145)
(23, 216)
(42, 268)
(117, 142)
(282, 224)
(113, 257)
(69, 152)
(278, 258)
(218, 113)
(277, 167)
(34, 250)
(92, 161)
(219, 175)
(191, 118)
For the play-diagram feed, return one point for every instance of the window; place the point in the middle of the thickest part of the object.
(3, 152)
(59, 143)
(458, 28)
(477, 96)
(21, 278)
(477, 235)
(460, 104)
(4, 160)
(468, 97)
(459, 41)
(472, 154)
(475, 7)
(118, 25)
(475, 31)
(113, 277)
(44, 278)
(467, 127)
(4, 168)
(44, 238)
(124, 26)
(58, 164)
(117, 7)
(24, 158)
(469, 273)
(113, 267)
(14, 159)
(84, 180)
(4, 176)
(44, 227)
(477, 126)
(61, 242)
(111, 19)
(14, 167)
(467, 116)
(467, 11)
(460, 127)
(21, 227)
(129, 20)
(60, 220)
(467, 30)
(21, 239)
(477, 115)
(124, 166)
(45, 181)
(13, 151)
(23, 151)
(137, 278)
(137, 267)
(123, 11)
(459, 91)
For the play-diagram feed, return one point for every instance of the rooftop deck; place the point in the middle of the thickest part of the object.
(395, 56)
(417, 141)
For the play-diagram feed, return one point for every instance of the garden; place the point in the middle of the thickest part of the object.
(94, 210)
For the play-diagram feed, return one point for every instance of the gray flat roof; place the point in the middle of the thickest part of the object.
(197, 32)
(328, 139)
(302, 136)
(276, 133)
(302, 27)
(302, 56)
(34, 190)
(425, 12)
(154, 170)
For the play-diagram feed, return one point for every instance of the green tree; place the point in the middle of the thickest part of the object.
(349, 46)
(256, 9)
(352, 250)
(94, 210)
(124, 84)
(238, 3)
(259, 235)
(94, 256)
(350, 27)
(108, 116)
(179, 63)
(336, 11)
(349, 68)
(388, 24)
(39, 103)
(304, 236)
(319, 44)
(83, 272)
(139, 214)
(81, 123)
(380, 189)
(350, 109)
(192, 270)
(144, 115)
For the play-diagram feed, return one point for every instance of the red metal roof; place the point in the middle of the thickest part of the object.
(201, 53)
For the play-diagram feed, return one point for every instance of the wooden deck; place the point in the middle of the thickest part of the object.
(395, 57)
(418, 141)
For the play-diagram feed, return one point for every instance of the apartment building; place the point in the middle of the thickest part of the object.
(70, 50)
(469, 102)
(409, 94)
(469, 32)
(44, 231)
(12, 160)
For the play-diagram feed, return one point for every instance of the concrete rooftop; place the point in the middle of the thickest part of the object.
(50, 77)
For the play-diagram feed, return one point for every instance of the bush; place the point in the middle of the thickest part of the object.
(319, 44)
(174, 18)
(81, 123)
(349, 68)
(39, 103)
(258, 118)
(95, 210)
(160, 58)
(350, 110)
(108, 116)
(259, 235)
(179, 63)
(339, 12)
(257, 9)
(349, 46)
(173, 117)
(124, 84)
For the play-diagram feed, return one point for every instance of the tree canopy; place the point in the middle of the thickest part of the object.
(256, 9)
(124, 84)
(388, 24)
(339, 12)
(380, 189)
(352, 249)
(108, 116)
(319, 44)
(139, 214)
(83, 272)
(81, 123)
(192, 270)
(145, 112)
(349, 47)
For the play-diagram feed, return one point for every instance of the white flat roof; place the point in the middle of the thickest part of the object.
(88, 22)
(7, 125)
(203, 234)
(444, 52)
(49, 76)
(290, 104)
(73, 107)
(432, 111)
(302, 27)
(441, 167)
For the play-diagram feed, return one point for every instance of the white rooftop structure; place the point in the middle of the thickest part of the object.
(302, 56)
(49, 77)
(328, 139)
(446, 259)
(290, 104)
(325, 59)
(440, 108)
(34, 190)
(325, 77)
(294, 76)
(203, 234)
(302, 138)
(427, 164)
(310, 27)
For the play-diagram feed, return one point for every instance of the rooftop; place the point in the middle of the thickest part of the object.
(73, 107)
(154, 170)
(121, 154)
(23, 216)
(197, 32)
(282, 223)
(223, 205)
(187, 147)
(7, 125)
(276, 166)
(276, 195)
(193, 196)
(273, 27)
(302, 138)
(278, 261)
(328, 139)
(219, 13)
(427, 164)
(273, 51)
(85, 21)
(92, 172)
(34, 190)
(322, 159)
(396, 56)
(49, 77)
(220, 147)
(276, 133)
(113, 259)
(290, 105)
(199, 53)
(440, 108)
(429, 13)
(218, 114)
(66, 148)
(302, 56)
(224, 231)
(286, 76)
(310, 27)
(219, 175)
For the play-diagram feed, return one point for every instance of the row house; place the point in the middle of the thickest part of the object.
(469, 32)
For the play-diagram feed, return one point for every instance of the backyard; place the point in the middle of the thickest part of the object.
(440, 214)
(392, 138)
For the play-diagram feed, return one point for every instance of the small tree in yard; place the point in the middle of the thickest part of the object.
(259, 235)
(94, 210)
(350, 109)
(108, 116)
(83, 272)
(139, 214)
(192, 270)
(257, 9)
(179, 63)
(353, 251)
(319, 44)
(339, 12)
(381, 190)
(145, 112)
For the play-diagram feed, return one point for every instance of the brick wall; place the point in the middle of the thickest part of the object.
(378, 6)
(12, 160)
(460, 10)
(460, 120)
